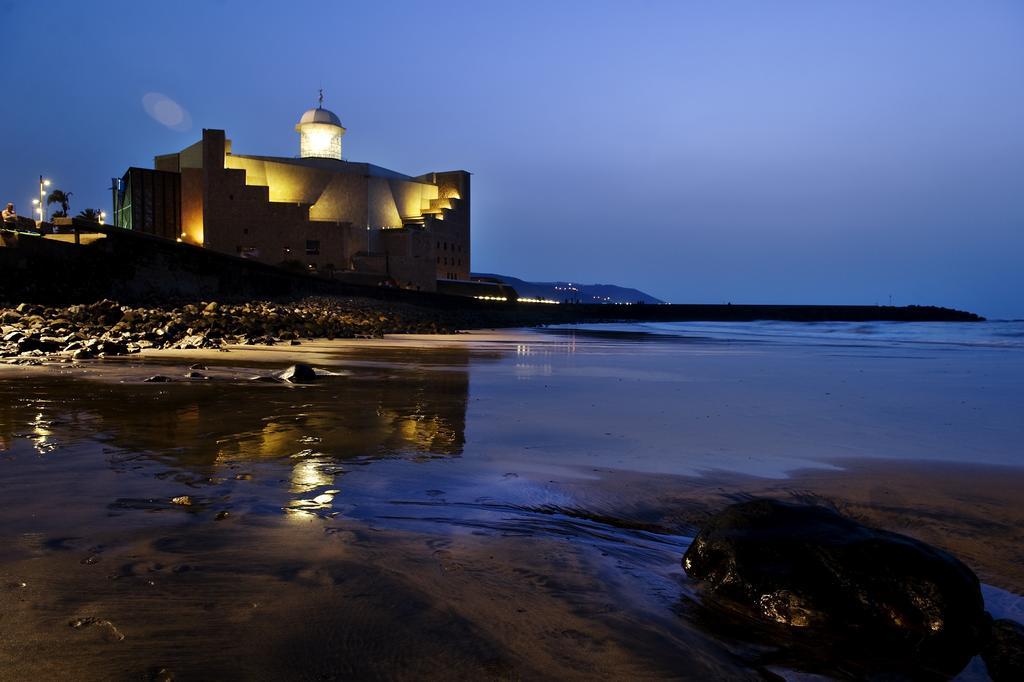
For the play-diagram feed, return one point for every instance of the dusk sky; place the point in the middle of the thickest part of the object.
(758, 152)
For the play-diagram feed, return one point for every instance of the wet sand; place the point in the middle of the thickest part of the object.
(508, 506)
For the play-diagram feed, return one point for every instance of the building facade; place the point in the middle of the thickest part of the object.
(317, 211)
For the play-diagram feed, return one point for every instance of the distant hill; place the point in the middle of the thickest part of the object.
(573, 291)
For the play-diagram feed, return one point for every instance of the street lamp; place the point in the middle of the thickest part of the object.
(41, 210)
(103, 217)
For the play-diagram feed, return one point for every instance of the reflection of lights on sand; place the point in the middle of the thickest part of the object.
(526, 371)
(42, 434)
(309, 474)
(320, 505)
(569, 347)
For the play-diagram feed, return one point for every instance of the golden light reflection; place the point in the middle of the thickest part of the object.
(42, 435)
(312, 473)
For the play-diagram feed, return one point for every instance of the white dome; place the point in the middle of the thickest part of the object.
(320, 115)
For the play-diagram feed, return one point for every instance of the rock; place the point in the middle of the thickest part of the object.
(183, 500)
(113, 348)
(1004, 653)
(195, 375)
(112, 632)
(158, 379)
(298, 374)
(198, 365)
(876, 599)
(161, 675)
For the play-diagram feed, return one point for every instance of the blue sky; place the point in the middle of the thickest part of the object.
(789, 152)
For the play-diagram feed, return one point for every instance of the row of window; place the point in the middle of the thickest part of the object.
(444, 246)
(313, 249)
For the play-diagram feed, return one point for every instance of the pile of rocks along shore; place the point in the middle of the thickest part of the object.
(31, 333)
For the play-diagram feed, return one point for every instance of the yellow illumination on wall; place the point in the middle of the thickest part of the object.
(192, 233)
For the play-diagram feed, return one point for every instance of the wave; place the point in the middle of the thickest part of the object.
(997, 335)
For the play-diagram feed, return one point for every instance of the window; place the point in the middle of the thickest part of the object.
(312, 247)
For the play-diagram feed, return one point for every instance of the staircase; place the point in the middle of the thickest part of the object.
(431, 208)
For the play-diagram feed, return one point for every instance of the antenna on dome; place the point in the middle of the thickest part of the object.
(320, 105)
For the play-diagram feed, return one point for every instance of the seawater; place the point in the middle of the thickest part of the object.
(482, 505)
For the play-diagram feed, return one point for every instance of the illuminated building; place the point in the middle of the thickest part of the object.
(317, 211)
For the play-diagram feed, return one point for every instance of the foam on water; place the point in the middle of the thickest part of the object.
(998, 334)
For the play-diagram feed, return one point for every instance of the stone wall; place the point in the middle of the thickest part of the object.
(130, 266)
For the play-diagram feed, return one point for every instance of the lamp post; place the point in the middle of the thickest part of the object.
(41, 209)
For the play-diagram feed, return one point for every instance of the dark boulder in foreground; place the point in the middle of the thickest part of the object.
(880, 601)
(298, 374)
(1004, 653)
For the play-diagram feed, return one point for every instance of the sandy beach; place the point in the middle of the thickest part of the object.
(490, 505)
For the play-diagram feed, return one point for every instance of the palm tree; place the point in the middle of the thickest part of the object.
(59, 197)
(92, 214)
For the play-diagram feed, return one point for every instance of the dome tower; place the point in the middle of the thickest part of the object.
(320, 133)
